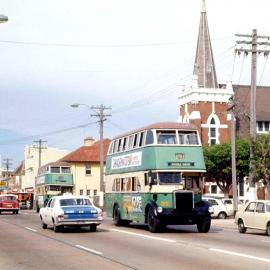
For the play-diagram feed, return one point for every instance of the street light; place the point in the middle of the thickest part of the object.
(3, 18)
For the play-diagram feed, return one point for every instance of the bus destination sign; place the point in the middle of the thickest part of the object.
(181, 164)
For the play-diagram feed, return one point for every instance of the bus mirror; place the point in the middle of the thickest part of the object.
(152, 181)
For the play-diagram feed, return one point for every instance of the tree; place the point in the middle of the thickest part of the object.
(262, 159)
(218, 163)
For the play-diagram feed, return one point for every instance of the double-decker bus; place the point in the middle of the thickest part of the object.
(53, 179)
(154, 175)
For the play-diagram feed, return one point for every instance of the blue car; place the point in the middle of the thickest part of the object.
(69, 210)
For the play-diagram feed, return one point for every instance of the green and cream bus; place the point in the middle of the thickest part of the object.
(154, 175)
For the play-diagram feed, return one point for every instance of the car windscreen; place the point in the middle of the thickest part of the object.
(74, 202)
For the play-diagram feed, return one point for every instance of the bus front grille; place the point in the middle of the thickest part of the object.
(183, 202)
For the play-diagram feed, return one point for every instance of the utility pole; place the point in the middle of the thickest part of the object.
(253, 126)
(102, 118)
(234, 182)
(40, 147)
(7, 162)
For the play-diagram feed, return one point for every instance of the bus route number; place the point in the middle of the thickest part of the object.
(136, 204)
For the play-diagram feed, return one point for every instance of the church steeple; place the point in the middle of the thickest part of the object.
(204, 66)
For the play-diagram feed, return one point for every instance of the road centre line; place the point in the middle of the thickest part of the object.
(240, 254)
(30, 229)
(266, 241)
(145, 236)
(89, 250)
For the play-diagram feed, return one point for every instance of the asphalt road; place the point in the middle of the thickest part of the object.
(25, 245)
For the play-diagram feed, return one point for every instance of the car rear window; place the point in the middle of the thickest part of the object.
(8, 198)
(268, 207)
(75, 201)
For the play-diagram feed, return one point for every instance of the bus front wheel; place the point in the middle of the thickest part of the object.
(204, 225)
(154, 224)
(117, 216)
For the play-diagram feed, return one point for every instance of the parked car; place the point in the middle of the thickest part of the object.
(9, 203)
(69, 210)
(254, 215)
(219, 208)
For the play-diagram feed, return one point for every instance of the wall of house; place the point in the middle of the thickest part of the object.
(85, 182)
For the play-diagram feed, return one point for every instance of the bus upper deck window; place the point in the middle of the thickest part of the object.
(130, 141)
(124, 144)
(142, 138)
(149, 137)
(135, 140)
(166, 137)
(188, 137)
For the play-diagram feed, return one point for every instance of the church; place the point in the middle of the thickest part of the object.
(206, 103)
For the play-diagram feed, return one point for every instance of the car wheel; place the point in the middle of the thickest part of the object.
(56, 228)
(44, 226)
(204, 225)
(0, 212)
(117, 217)
(241, 226)
(93, 228)
(154, 224)
(222, 215)
(268, 229)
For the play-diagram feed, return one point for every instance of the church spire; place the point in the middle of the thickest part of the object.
(204, 66)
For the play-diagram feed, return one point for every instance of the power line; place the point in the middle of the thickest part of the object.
(27, 138)
(264, 66)
(101, 45)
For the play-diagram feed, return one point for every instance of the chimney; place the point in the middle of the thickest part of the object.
(89, 141)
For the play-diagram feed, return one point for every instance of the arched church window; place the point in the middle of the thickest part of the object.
(213, 132)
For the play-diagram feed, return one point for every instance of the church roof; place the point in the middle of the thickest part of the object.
(204, 66)
(242, 98)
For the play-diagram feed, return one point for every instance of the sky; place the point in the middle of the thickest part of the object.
(134, 56)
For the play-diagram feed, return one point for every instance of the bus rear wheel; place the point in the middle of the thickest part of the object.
(117, 216)
(154, 224)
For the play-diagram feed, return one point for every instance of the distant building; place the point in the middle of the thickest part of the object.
(85, 167)
(31, 163)
(19, 173)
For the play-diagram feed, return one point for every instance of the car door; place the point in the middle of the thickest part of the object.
(215, 206)
(259, 216)
(45, 212)
(248, 215)
(51, 211)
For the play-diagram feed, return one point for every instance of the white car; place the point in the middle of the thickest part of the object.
(254, 215)
(69, 210)
(219, 208)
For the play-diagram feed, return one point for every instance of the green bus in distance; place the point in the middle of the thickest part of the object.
(154, 175)
(53, 179)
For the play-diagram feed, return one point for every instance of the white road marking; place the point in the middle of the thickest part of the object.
(26, 214)
(89, 250)
(145, 236)
(30, 229)
(266, 241)
(240, 254)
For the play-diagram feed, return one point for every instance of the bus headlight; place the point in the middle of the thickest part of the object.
(159, 209)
